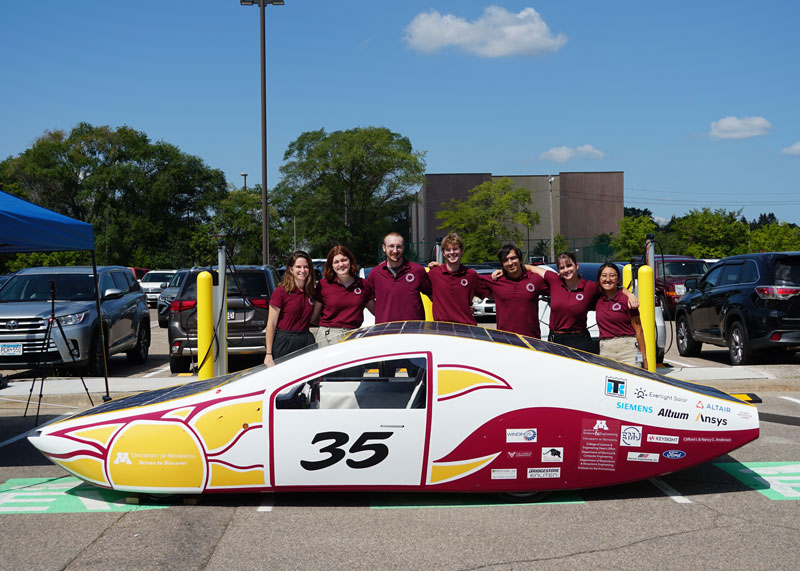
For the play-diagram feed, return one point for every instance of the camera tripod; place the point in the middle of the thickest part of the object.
(41, 367)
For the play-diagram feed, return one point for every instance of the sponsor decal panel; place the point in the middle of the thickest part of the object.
(635, 407)
(521, 435)
(615, 387)
(707, 439)
(674, 454)
(504, 473)
(663, 438)
(713, 406)
(708, 419)
(552, 454)
(642, 456)
(669, 413)
(631, 436)
(642, 393)
(599, 444)
(520, 454)
(544, 472)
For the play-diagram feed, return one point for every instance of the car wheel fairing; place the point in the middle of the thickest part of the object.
(687, 346)
(139, 353)
(738, 345)
(524, 497)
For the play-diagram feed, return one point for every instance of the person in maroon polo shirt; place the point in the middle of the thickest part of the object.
(396, 284)
(341, 297)
(516, 294)
(290, 309)
(571, 298)
(454, 284)
(620, 327)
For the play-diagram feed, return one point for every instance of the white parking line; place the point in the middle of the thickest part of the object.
(157, 371)
(671, 360)
(791, 399)
(669, 490)
(267, 504)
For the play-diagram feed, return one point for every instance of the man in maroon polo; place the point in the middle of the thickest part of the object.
(397, 283)
(454, 284)
(516, 294)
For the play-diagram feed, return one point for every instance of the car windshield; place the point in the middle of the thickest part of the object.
(787, 271)
(157, 277)
(685, 269)
(37, 287)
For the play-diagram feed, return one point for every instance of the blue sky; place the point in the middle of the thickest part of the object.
(695, 101)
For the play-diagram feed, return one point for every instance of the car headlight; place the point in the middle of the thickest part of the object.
(73, 319)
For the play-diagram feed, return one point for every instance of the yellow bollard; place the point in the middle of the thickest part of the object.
(205, 326)
(647, 312)
(627, 277)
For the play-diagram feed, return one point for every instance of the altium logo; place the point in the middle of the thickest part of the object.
(669, 413)
(711, 419)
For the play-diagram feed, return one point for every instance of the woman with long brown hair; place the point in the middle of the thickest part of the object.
(290, 309)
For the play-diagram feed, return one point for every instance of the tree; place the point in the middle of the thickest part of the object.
(560, 244)
(763, 219)
(238, 219)
(712, 234)
(150, 204)
(492, 215)
(631, 212)
(602, 246)
(633, 232)
(350, 187)
(782, 237)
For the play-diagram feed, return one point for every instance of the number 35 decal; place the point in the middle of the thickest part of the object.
(336, 452)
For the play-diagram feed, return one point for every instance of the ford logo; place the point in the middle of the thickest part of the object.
(12, 324)
(674, 454)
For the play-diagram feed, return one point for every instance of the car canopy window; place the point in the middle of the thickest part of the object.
(787, 271)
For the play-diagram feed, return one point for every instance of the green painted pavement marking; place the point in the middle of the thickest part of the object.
(776, 480)
(62, 495)
(421, 501)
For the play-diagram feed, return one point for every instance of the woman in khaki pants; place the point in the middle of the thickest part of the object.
(621, 335)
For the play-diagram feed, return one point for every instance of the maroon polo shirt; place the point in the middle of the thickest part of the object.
(342, 306)
(568, 308)
(453, 293)
(296, 309)
(397, 296)
(614, 316)
(517, 302)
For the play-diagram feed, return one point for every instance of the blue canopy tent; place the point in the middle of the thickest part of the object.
(26, 227)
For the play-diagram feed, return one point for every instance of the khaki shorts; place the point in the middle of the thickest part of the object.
(622, 349)
(329, 335)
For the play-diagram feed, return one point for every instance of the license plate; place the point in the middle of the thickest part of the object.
(680, 289)
(7, 349)
(231, 315)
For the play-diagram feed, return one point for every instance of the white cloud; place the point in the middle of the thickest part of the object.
(794, 150)
(563, 154)
(735, 128)
(497, 33)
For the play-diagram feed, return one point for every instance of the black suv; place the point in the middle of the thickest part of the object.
(747, 303)
(248, 292)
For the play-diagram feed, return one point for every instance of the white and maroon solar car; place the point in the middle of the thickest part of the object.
(417, 406)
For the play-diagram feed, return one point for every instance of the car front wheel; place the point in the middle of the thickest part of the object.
(738, 344)
(687, 346)
(94, 368)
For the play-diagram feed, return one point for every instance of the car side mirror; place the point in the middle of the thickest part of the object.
(691, 283)
(163, 285)
(112, 293)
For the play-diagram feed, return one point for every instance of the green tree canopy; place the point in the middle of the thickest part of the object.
(150, 204)
(492, 215)
(775, 237)
(349, 187)
(630, 241)
(713, 234)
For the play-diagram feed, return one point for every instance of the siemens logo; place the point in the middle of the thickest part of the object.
(635, 407)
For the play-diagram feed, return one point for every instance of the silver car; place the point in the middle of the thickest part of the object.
(153, 283)
(26, 302)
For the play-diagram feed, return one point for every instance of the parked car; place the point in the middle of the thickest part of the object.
(153, 282)
(25, 306)
(4, 279)
(248, 293)
(485, 307)
(138, 273)
(748, 303)
(167, 295)
(670, 275)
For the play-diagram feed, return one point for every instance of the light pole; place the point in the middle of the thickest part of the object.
(262, 4)
(244, 176)
(552, 223)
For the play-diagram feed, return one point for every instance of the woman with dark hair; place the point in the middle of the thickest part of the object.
(290, 309)
(620, 327)
(341, 296)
